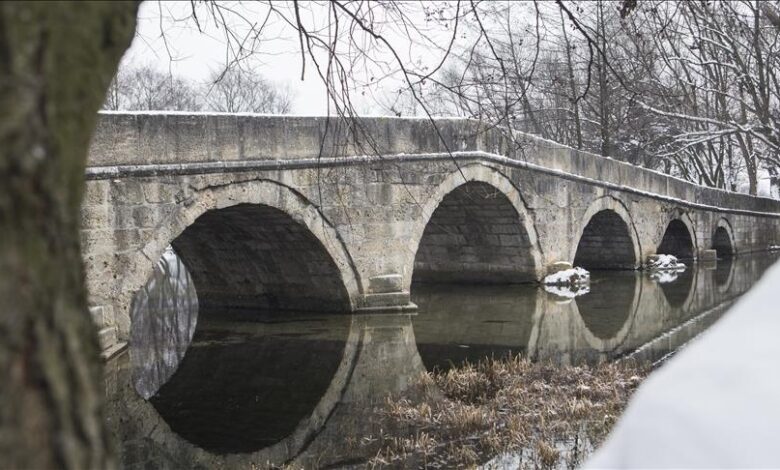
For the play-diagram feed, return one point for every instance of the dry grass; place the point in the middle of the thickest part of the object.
(550, 416)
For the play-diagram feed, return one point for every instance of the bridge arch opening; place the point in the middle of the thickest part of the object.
(475, 235)
(263, 362)
(257, 257)
(677, 241)
(606, 243)
(721, 243)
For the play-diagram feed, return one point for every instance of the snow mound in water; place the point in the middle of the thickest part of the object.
(664, 263)
(568, 277)
(774, 247)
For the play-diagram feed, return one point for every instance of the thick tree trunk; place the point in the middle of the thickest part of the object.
(56, 61)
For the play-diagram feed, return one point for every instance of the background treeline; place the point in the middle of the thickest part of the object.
(687, 88)
(235, 90)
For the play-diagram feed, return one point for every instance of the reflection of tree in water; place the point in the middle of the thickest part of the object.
(609, 304)
(163, 317)
(459, 323)
(677, 291)
(245, 385)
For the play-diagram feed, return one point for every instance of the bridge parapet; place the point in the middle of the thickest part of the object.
(137, 142)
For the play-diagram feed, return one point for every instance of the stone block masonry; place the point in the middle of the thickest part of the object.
(265, 217)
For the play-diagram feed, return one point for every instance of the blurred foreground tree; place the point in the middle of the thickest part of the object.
(56, 61)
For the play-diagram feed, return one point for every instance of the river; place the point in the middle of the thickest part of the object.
(203, 389)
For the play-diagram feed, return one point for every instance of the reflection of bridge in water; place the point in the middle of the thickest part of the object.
(276, 388)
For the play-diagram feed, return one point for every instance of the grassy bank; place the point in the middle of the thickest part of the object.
(534, 415)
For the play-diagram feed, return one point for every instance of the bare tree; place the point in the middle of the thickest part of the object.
(237, 90)
(687, 87)
(148, 89)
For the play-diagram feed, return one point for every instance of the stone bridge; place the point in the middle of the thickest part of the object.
(307, 213)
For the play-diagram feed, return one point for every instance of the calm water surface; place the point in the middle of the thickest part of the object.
(200, 389)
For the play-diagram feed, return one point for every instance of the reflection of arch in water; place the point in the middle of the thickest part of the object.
(148, 423)
(607, 238)
(724, 273)
(263, 379)
(679, 238)
(475, 228)
(608, 319)
(680, 292)
(474, 322)
(723, 240)
(387, 364)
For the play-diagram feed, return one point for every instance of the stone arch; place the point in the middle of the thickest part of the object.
(259, 257)
(679, 237)
(607, 237)
(242, 203)
(475, 228)
(723, 239)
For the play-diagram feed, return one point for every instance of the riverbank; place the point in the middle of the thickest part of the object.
(534, 415)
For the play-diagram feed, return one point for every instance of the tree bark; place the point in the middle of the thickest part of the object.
(56, 62)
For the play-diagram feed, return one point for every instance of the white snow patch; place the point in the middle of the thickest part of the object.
(665, 276)
(774, 247)
(567, 291)
(664, 263)
(568, 277)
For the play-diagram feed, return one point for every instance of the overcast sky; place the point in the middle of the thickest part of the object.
(168, 38)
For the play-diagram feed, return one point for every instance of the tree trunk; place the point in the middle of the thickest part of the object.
(572, 85)
(56, 62)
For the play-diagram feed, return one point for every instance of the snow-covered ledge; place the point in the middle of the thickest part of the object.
(717, 403)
